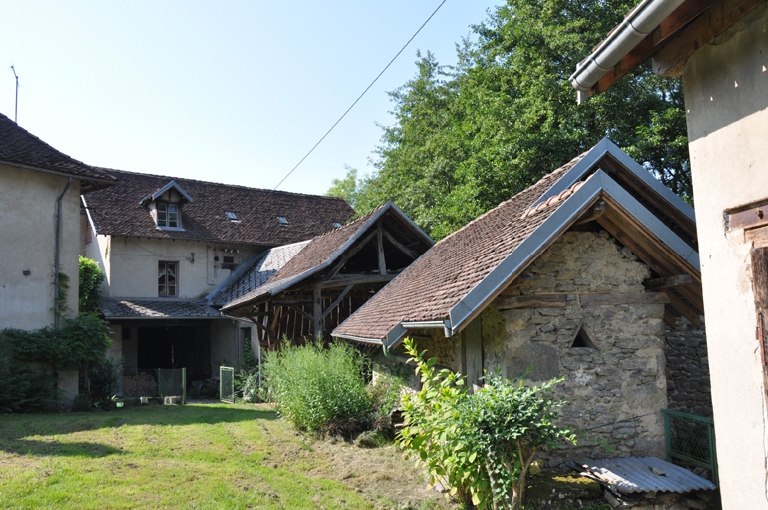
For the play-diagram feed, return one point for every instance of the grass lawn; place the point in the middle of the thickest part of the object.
(206, 456)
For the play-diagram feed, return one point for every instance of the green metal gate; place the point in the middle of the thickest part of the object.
(227, 384)
(691, 439)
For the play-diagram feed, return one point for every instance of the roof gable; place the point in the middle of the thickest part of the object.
(172, 185)
(325, 250)
(459, 276)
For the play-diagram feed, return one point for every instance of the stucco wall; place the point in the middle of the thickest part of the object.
(726, 96)
(27, 242)
(131, 264)
(617, 389)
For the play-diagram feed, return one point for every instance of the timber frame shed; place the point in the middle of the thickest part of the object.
(306, 289)
(449, 286)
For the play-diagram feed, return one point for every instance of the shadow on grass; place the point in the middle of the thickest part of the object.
(17, 431)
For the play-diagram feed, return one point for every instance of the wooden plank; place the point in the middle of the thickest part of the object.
(617, 298)
(760, 287)
(532, 301)
(397, 244)
(317, 312)
(751, 218)
(686, 311)
(667, 282)
(669, 318)
(758, 237)
(356, 279)
(351, 253)
(510, 291)
(380, 248)
(338, 300)
(721, 15)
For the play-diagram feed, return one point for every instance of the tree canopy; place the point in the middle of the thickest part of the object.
(469, 136)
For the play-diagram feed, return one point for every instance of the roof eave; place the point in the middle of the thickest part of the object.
(628, 34)
(571, 209)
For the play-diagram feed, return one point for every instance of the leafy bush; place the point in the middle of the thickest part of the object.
(104, 375)
(22, 388)
(483, 443)
(318, 389)
(91, 277)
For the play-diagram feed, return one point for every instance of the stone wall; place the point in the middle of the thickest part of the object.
(617, 386)
(688, 388)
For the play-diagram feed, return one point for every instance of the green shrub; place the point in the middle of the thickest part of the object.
(482, 443)
(104, 375)
(319, 389)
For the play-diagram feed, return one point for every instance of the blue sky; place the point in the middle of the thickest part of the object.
(232, 91)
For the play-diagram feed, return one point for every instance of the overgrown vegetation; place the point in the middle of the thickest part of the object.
(319, 389)
(247, 375)
(323, 390)
(80, 343)
(481, 444)
(91, 278)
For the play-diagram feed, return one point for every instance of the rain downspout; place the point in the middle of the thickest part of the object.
(57, 256)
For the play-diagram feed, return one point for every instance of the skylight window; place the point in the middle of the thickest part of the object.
(336, 224)
(281, 220)
(232, 217)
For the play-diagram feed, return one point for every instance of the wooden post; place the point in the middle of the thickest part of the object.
(760, 283)
(380, 246)
(317, 312)
(472, 337)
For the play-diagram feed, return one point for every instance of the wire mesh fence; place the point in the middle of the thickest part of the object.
(155, 383)
(691, 439)
(227, 384)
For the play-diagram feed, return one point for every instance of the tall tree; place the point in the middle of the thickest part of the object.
(470, 136)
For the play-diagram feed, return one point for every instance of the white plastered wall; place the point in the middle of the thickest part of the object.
(726, 94)
(28, 241)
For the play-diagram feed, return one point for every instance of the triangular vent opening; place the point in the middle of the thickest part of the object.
(582, 338)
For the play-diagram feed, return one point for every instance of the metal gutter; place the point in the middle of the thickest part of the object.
(591, 158)
(634, 28)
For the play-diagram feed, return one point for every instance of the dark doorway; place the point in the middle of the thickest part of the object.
(176, 347)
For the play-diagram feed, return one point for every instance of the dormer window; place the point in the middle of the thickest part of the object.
(168, 215)
(165, 206)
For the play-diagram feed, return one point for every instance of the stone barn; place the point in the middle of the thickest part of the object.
(591, 274)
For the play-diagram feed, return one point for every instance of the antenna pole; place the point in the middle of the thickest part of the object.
(16, 109)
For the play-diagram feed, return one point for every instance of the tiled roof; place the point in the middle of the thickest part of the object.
(20, 147)
(437, 281)
(168, 308)
(254, 273)
(116, 211)
(324, 249)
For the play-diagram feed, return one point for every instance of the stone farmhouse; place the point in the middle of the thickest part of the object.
(40, 190)
(167, 243)
(719, 49)
(592, 274)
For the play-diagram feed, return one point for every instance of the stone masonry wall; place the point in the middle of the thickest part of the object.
(688, 388)
(615, 390)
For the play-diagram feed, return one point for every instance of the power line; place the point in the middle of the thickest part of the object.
(359, 97)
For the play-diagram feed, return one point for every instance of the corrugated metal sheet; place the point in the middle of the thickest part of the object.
(645, 474)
